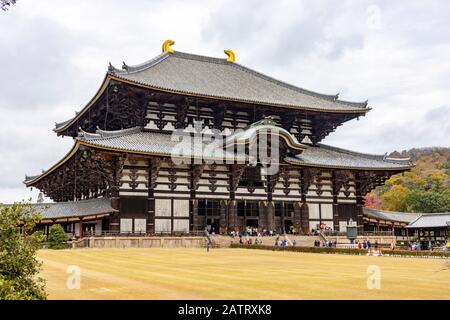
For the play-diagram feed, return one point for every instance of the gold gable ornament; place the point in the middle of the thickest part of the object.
(231, 55)
(166, 47)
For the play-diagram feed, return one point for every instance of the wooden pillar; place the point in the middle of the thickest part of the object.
(232, 204)
(150, 200)
(223, 224)
(359, 203)
(305, 218)
(232, 214)
(304, 206)
(193, 215)
(115, 188)
(270, 214)
(81, 228)
(335, 201)
(298, 216)
(114, 220)
(262, 222)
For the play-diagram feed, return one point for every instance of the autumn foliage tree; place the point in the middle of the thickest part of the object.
(372, 201)
(426, 188)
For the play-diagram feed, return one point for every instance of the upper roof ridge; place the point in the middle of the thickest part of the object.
(129, 69)
(329, 97)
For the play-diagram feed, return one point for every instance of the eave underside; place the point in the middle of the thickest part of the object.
(91, 171)
(120, 105)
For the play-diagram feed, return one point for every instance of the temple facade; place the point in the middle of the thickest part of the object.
(185, 142)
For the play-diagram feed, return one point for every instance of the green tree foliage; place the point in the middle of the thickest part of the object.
(427, 201)
(19, 266)
(57, 238)
(426, 188)
(395, 198)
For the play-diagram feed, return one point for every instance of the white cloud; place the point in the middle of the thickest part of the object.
(54, 55)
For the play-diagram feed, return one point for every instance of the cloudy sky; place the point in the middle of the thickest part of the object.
(396, 54)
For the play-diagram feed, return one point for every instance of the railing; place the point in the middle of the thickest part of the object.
(328, 233)
(377, 233)
(140, 234)
(334, 233)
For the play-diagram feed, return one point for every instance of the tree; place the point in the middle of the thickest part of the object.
(57, 238)
(435, 180)
(372, 201)
(4, 4)
(427, 201)
(394, 199)
(19, 266)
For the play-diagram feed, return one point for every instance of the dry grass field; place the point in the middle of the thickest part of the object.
(239, 274)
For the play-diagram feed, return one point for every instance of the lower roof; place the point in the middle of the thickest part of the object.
(431, 220)
(405, 217)
(327, 156)
(85, 209)
(139, 141)
(413, 219)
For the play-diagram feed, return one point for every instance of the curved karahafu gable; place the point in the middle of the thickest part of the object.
(267, 127)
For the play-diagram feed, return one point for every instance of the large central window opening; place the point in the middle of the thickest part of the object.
(248, 209)
(211, 210)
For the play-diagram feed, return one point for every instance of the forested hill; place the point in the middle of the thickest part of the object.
(426, 188)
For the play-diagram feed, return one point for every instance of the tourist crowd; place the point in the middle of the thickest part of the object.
(327, 244)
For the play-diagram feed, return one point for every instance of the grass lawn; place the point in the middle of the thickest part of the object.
(239, 274)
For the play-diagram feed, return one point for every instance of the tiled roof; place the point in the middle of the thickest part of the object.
(74, 209)
(191, 74)
(390, 215)
(431, 220)
(136, 140)
(328, 156)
